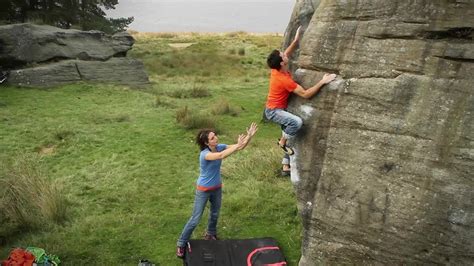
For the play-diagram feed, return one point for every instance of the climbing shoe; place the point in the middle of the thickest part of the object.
(286, 149)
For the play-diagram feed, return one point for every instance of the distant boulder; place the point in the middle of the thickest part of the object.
(40, 55)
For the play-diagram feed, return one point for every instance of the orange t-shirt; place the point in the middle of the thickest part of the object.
(281, 85)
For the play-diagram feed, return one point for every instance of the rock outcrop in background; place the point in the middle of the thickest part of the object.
(384, 166)
(42, 56)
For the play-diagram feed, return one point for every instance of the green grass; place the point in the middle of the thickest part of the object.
(128, 168)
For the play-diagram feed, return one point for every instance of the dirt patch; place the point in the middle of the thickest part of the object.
(181, 45)
(47, 150)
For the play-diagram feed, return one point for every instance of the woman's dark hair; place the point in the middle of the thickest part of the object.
(203, 137)
(274, 59)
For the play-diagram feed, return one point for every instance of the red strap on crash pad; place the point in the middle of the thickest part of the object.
(249, 257)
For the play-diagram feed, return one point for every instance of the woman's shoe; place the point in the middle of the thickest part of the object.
(180, 252)
(210, 237)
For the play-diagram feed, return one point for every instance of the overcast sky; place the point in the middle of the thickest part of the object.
(269, 16)
(154, 1)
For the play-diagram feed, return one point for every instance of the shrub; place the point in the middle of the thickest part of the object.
(241, 51)
(30, 199)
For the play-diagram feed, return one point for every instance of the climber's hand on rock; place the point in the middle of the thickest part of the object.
(327, 78)
(297, 35)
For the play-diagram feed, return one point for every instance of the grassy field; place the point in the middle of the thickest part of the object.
(104, 175)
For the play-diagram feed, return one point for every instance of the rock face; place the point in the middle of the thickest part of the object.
(47, 56)
(384, 166)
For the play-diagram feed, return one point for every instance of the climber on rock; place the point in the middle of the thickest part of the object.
(281, 85)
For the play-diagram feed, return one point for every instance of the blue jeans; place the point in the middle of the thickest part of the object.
(290, 123)
(200, 200)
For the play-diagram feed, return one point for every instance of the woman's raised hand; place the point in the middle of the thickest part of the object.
(252, 129)
(241, 141)
(244, 139)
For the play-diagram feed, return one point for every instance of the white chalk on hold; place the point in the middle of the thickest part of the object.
(306, 111)
(335, 84)
(300, 71)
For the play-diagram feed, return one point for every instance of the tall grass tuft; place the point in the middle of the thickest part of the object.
(223, 107)
(194, 120)
(160, 101)
(197, 91)
(30, 199)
